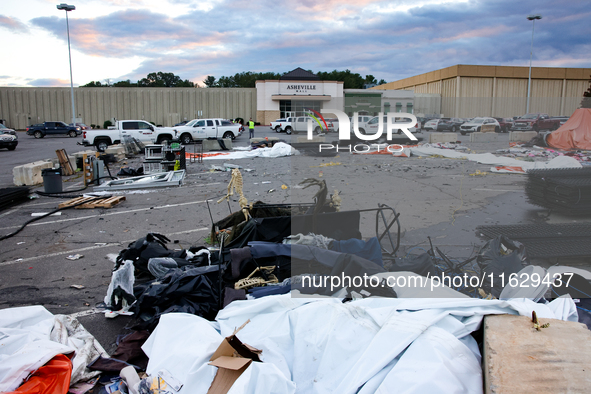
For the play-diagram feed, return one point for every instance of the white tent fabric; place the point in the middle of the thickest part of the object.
(280, 149)
(31, 336)
(489, 158)
(324, 346)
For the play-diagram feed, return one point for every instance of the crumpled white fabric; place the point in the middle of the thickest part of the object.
(31, 336)
(324, 346)
(124, 278)
(489, 158)
(280, 149)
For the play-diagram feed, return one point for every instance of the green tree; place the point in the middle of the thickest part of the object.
(351, 80)
(382, 82)
(125, 84)
(210, 81)
(586, 103)
(92, 84)
(164, 80)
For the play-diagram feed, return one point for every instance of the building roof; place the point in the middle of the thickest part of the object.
(299, 74)
(466, 70)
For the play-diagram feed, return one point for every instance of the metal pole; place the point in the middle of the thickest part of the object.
(530, 57)
(71, 80)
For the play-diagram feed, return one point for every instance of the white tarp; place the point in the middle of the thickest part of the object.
(489, 158)
(31, 336)
(280, 149)
(325, 346)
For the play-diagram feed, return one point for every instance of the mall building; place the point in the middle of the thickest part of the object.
(299, 91)
(462, 91)
(467, 91)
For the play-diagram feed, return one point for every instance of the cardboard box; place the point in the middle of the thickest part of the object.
(232, 358)
(487, 128)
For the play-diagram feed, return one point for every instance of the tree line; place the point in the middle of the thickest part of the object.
(248, 79)
(239, 80)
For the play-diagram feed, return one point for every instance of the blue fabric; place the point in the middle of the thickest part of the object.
(301, 252)
(369, 250)
(258, 292)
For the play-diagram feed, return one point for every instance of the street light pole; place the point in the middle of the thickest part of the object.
(531, 18)
(67, 8)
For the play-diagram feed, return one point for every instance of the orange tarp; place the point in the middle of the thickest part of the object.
(52, 378)
(574, 134)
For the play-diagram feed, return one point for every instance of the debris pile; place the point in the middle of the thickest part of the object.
(566, 191)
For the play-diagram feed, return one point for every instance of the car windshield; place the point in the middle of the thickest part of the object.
(478, 120)
(2, 126)
(191, 123)
(530, 116)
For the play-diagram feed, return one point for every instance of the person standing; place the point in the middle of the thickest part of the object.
(250, 128)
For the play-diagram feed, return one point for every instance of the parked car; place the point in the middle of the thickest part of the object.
(6, 130)
(362, 119)
(200, 129)
(283, 124)
(8, 138)
(535, 122)
(81, 125)
(475, 125)
(300, 125)
(562, 119)
(50, 128)
(373, 124)
(449, 124)
(505, 123)
(431, 124)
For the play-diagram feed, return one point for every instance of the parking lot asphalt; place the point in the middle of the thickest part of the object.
(441, 198)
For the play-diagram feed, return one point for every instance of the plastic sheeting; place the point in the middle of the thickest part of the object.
(325, 346)
(31, 336)
(489, 158)
(575, 133)
(280, 149)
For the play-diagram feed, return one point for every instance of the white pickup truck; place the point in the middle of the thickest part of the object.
(300, 125)
(202, 129)
(139, 129)
(281, 125)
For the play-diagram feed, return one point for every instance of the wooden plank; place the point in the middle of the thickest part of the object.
(106, 202)
(65, 164)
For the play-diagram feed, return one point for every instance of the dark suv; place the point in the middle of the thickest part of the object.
(449, 124)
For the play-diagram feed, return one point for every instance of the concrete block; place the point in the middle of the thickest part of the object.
(442, 137)
(519, 359)
(521, 136)
(486, 137)
(209, 145)
(30, 174)
(116, 150)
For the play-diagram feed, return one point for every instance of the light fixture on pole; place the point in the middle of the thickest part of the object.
(67, 7)
(531, 18)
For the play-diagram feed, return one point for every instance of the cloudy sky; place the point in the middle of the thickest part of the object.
(127, 39)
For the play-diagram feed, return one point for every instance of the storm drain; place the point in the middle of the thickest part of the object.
(545, 240)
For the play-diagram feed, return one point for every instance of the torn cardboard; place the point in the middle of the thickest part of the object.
(232, 358)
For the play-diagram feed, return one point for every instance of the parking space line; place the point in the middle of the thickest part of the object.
(108, 245)
(498, 190)
(108, 214)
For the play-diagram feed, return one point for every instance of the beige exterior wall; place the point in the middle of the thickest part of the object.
(468, 91)
(266, 117)
(21, 107)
